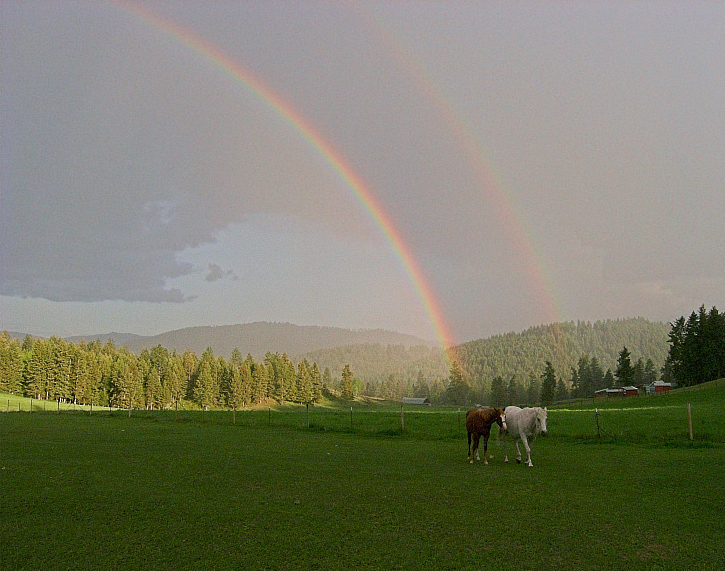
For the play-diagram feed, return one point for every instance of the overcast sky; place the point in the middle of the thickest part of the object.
(539, 162)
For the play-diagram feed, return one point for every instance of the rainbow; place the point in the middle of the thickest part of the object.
(534, 266)
(254, 85)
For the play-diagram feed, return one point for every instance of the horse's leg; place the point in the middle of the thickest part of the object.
(469, 446)
(505, 456)
(485, 449)
(476, 438)
(528, 450)
(518, 452)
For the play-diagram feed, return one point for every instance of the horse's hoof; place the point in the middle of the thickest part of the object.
(518, 460)
(470, 461)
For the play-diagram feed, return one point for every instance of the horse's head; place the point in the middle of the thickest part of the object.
(501, 419)
(541, 416)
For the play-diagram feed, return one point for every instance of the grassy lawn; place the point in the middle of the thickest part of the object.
(194, 491)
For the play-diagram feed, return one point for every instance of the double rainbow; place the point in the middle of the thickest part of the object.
(361, 191)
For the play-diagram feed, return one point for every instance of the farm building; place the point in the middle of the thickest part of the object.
(609, 393)
(659, 387)
(618, 392)
(415, 400)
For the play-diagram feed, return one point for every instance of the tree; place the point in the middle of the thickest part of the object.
(304, 382)
(562, 392)
(548, 384)
(624, 372)
(498, 392)
(316, 380)
(650, 372)
(346, 385)
(458, 389)
(513, 391)
(697, 348)
(532, 389)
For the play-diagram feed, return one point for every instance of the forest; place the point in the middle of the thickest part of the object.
(576, 358)
(108, 375)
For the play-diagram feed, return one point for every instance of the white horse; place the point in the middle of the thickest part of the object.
(522, 424)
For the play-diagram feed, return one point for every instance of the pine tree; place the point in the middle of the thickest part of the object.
(624, 372)
(458, 389)
(548, 384)
(346, 385)
(498, 392)
(316, 380)
(562, 392)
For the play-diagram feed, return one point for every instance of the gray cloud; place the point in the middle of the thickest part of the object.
(517, 152)
(216, 273)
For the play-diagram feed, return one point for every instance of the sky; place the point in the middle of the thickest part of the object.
(451, 170)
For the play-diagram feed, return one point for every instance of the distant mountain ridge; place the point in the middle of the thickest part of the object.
(257, 339)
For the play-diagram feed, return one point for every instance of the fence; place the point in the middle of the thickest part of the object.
(656, 422)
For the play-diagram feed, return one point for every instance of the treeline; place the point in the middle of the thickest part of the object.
(561, 359)
(581, 353)
(105, 375)
(697, 348)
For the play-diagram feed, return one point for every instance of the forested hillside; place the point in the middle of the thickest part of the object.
(521, 354)
(103, 373)
(385, 370)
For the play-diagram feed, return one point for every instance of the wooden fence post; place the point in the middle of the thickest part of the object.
(689, 418)
(402, 418)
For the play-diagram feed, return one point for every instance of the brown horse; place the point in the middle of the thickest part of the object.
(478, 422)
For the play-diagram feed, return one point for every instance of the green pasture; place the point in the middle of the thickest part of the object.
(260, 490)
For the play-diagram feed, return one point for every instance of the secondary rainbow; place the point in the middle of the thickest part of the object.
(534, 266)
(347, 174)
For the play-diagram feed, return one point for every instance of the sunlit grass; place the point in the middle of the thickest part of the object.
(196, 491)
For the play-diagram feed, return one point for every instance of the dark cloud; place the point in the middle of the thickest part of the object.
(216, 273)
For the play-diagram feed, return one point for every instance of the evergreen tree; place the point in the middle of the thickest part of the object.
(204, 392)
(575, 383)
(498, 392)
(513, 391)
(548, 384)
(697, 348)
(458, 389)
(650, 372)
(532, 389)
(597, 376)
(346, 385)
(624, 372)
(304, 383)
(235, 389)
(327, 379)
(316, 380)
(562, 392)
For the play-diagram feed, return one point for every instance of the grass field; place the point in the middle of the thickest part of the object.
(192, 490)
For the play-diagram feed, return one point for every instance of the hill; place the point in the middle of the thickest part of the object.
(506, 355)
(259, 338)
(563, 344)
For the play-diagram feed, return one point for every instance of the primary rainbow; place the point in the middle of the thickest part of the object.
(347, 174)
